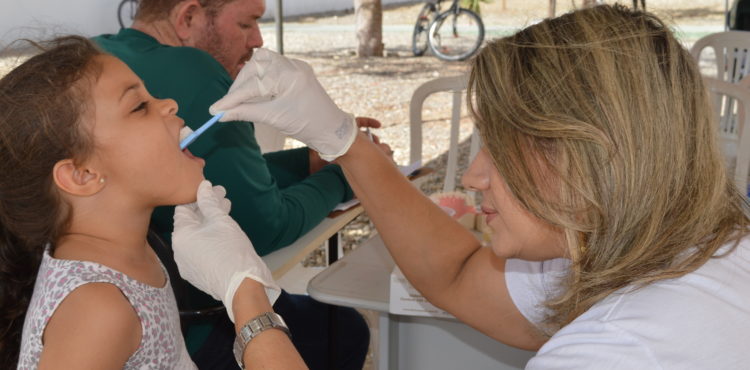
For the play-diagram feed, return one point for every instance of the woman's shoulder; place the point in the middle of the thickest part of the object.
(712, 290)
(668, 321)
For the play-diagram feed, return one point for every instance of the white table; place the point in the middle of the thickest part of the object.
(282, 260)
(362, 280)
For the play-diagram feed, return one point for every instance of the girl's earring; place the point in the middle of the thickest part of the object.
(101, 180)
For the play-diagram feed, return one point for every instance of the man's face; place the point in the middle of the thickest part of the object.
(233, 33)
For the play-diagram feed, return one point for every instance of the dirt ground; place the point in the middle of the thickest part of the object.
(520, 12)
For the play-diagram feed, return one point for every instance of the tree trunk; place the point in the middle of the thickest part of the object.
(552, 5)
(369, 15)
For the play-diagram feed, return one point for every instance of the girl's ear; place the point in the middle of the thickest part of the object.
(74, 180)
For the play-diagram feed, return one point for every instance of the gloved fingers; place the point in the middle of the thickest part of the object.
(225, 205)
(303, 66)
(235, 101)
(219, 191)
(186, 215)
(221, 194)
(255, 110)
(254, 83)
(211, 201)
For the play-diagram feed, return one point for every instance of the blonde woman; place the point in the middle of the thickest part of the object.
(618, 240)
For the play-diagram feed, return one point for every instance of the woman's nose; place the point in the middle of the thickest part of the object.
(476, 177)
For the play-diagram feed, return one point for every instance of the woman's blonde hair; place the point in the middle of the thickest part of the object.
(600, 124)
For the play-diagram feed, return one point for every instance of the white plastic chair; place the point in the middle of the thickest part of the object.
(732, 50)
(731, 103)
(456, 85)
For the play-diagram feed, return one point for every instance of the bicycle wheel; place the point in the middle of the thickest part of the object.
(419, 38)
(456, 36)
(126, 12)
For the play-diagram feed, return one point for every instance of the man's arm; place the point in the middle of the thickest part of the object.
(288, 167)
(443, 260)
(93, 328)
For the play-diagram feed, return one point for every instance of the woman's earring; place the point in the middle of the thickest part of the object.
(101, 180)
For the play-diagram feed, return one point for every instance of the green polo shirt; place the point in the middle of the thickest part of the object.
(274, 198)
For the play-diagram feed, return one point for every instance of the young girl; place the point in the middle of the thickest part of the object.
(85, 155)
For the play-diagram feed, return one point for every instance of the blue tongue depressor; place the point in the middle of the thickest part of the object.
(189, 140)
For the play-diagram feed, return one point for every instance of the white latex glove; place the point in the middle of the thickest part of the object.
(285, 94)
(211, 250)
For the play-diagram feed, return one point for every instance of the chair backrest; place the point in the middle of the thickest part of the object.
(732, 50)
(456, 85)
(731, 103)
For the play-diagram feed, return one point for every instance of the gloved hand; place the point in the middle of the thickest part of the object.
(284, 93)
(211, 250)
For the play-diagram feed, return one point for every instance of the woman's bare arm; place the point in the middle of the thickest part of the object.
(442, 259)
(272, 349)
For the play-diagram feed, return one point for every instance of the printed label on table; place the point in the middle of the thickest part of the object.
(405, 300)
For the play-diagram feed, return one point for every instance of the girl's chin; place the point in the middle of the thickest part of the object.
(189, 193)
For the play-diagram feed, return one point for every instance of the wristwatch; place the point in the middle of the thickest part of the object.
(259, 324)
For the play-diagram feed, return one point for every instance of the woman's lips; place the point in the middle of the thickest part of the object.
(489, 213)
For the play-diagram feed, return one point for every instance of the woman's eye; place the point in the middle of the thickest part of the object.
(141, 106)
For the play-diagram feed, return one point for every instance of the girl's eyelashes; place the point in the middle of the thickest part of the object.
(141, 106)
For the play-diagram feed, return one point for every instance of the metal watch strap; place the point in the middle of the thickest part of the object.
(251, 329)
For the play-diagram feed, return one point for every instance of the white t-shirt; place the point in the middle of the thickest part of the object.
(698, 321)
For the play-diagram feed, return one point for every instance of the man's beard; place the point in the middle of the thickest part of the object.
(214, 44)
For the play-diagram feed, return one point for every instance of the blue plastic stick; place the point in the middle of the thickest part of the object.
(189, 140)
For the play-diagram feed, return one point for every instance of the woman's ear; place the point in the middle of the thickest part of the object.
(75, 180)
(188, 18)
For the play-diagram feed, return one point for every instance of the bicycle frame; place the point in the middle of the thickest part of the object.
(454, 8)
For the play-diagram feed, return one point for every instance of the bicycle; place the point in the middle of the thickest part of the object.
(458, 40)
(126, 12)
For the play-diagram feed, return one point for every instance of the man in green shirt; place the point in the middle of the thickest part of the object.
(190, 51)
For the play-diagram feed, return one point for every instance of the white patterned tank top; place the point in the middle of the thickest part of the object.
(161, 347)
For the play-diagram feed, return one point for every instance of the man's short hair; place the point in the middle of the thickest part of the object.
(152, 10)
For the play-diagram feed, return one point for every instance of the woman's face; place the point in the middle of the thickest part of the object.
(516, 233)
(137, 141)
